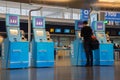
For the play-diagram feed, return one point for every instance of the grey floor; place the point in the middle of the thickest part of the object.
(64, 72)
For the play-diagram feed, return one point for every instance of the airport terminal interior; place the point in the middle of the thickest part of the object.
(41, 39)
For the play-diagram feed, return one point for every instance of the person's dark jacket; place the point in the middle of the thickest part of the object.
(86, 32)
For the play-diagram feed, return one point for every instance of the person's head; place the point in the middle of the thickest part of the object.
(85, 23)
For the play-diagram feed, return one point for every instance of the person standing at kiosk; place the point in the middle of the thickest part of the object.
(86, 33)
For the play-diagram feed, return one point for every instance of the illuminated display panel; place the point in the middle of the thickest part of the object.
(39, 33)
(51, 30)
(101, 35)
(39, 22)
(79, 25)
(13, 31)
(12, 20)
(100, 26)
(61, 29)
(58, 30)
(66, 30)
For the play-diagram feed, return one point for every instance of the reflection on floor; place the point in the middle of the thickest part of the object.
(63, 61)
(63, 73)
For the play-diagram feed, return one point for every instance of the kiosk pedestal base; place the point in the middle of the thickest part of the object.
(78, 57)
(43, 54)
(104, 55)
(15, 55)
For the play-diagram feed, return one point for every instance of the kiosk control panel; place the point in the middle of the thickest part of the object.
(103, 55)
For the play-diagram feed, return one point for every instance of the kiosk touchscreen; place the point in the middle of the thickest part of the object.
(14, 34)
(42, 49)
(15, 52)
(78, 57)
(104, 55)
(101, 37)
(40, 35)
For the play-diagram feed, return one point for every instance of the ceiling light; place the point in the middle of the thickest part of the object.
(57, 0)
(106, 5)
(109, 1)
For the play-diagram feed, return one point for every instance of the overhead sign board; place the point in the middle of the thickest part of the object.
(84, 14)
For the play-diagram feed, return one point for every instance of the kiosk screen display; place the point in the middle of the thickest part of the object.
(58, 30)
(39, 33)
(13, 31)
(66, 30)
(101, 35)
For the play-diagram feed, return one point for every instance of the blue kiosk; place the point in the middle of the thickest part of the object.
(105, 54)
(15, 52)
(78, 56)
(42, 49)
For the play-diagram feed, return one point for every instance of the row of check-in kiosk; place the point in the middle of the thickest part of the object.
(40, 52)
(16, 53)
(102, 56)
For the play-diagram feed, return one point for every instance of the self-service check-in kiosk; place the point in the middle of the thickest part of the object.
(15, 52)
(104, 55)
(78, 56)
(42, 49)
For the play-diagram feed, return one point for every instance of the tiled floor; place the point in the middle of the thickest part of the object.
(64, 72)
